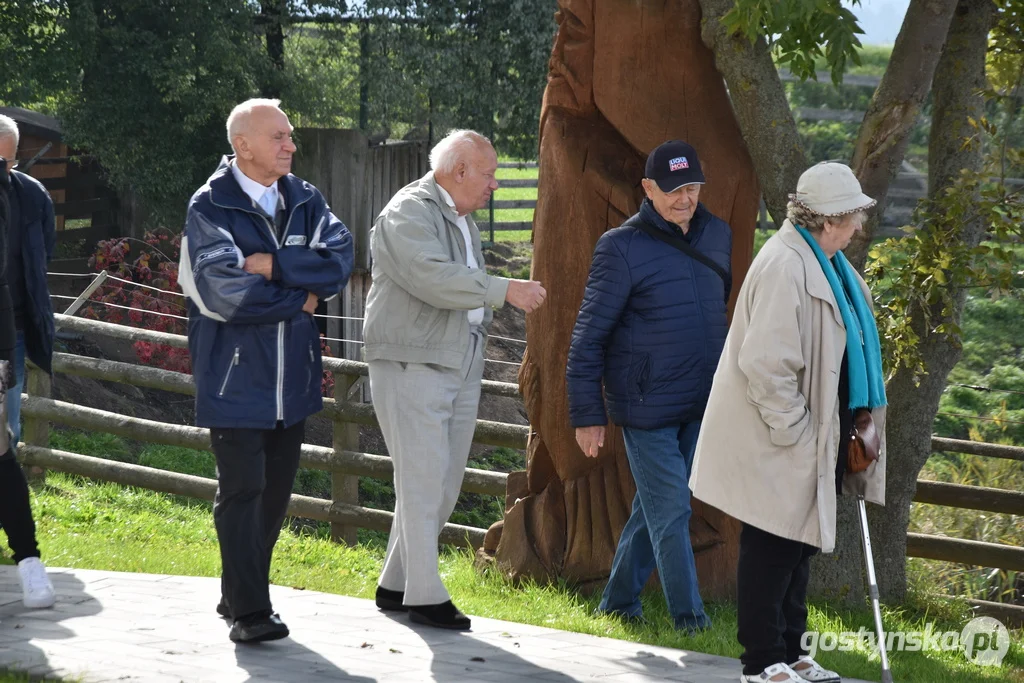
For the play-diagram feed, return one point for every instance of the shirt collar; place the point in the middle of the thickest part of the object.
(447, 198)
(253, 189)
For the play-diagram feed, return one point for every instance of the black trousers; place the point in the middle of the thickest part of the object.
(772, 598)
(255, 473)
(16, 509)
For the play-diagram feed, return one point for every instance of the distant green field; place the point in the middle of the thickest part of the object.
(510, 215)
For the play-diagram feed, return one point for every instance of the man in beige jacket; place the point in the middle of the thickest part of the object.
(425, 331)
(772, 447)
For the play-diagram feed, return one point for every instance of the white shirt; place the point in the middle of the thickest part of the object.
(261, 195)
(476, 316)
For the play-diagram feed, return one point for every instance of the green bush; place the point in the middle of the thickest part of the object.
(376, 493)
(315, 483)
(828, 140)
(499, 460)
(95, 444)
(177, 459)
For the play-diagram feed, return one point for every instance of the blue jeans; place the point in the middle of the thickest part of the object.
(14, 395)
(658, 530)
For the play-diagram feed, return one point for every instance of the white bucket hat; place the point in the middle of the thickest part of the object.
(831, 189)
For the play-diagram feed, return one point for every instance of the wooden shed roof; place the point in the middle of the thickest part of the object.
(33, 123)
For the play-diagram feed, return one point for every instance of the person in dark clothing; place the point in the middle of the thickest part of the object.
(651, 326)
(261, 248)
(18, 196)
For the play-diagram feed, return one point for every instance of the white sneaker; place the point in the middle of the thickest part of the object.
(36, 588)
(776, 673)
(812, 671)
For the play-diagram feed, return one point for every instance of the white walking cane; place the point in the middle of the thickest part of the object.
(869, 562)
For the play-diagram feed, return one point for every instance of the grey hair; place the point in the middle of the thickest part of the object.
(798, 214)
(9, 129)
(238, 119)
(447, 153)
(813, 222)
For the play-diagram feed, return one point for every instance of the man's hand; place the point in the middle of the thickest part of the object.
(525, 294)
(590, 439)
(311, 303)
(260, 264)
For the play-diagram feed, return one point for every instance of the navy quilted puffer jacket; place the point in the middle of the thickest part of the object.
(652, 325)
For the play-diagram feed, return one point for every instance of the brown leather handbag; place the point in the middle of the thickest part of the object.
(865, 443)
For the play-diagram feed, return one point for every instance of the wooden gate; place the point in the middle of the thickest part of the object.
(358, 180)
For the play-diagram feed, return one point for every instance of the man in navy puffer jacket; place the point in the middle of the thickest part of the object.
(652, 325)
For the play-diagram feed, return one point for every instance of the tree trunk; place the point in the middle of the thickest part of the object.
(364, 76)
(275, 14)
(895, 108)
(759, 101)
(959, 80)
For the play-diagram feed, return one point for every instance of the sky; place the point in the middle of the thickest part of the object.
(880, 19)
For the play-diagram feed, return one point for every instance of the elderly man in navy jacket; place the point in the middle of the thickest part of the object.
(652, 325)
(261, 249)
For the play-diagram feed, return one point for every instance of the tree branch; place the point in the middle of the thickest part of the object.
(762, 110)
(913, 401)
(895, 107)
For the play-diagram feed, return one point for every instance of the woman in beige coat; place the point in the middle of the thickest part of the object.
(773, 446)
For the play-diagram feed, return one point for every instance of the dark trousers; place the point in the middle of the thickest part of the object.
(772, 598)
(16, 509)
(255, 473)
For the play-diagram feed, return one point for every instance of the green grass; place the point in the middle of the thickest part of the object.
(516, 173)
(15, 677)
(510, 235)
(103, 526)
(510, 215)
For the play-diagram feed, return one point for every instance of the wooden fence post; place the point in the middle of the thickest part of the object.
(344, 488)
(36, 430)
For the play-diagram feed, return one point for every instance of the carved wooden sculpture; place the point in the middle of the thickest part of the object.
(624, 77)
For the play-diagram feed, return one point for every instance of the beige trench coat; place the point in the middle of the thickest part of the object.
(769, 440)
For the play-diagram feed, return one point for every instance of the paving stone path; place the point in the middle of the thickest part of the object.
(116, 627)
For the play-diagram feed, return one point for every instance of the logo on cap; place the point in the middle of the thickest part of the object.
(678, 164)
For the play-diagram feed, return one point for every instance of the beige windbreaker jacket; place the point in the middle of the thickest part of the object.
(769, 440)
(417, 307)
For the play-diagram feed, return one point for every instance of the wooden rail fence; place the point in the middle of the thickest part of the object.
(346, 463)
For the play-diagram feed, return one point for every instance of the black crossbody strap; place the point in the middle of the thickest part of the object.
(683, 246)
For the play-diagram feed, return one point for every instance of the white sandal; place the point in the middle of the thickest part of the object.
(815, 672)
(773, 670)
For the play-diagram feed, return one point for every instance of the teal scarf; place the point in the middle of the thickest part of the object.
(863, 349)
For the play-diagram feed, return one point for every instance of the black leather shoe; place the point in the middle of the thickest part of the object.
(259, 628)
(445, 615)
(390, 601)
(222, 609)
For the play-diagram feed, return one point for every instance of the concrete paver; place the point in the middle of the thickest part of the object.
(137, 628)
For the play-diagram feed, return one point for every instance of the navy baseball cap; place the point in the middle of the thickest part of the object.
(673, 164)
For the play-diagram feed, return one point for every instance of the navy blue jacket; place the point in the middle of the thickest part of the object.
(255, 352)
(38, 235)
(652, 325)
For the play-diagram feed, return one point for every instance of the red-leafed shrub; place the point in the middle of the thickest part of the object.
(156, 267)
